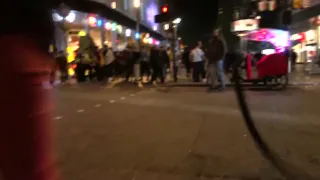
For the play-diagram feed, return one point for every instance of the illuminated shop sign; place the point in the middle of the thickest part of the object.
(311, 37)
(245, 25)
(298, 37)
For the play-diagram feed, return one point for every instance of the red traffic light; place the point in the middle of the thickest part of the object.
(164, 9)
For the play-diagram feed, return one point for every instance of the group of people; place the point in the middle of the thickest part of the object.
(209, 64)
(105, 64)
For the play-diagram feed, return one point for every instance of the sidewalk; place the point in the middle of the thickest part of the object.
(297, 78)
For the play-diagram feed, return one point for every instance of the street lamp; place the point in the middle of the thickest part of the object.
(136, 3)
(177, 21)
(166, 27)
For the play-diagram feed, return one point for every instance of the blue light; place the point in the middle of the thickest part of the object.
(137, 35)
(99, 23)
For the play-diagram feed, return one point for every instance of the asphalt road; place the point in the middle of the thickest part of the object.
(126, 133)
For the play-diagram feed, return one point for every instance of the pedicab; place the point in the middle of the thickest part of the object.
(264, 57)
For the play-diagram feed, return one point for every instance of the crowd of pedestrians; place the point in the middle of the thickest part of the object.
(105, 65)
(153, 63)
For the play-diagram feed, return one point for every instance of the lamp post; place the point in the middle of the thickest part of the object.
(175, 24)
(137, 5)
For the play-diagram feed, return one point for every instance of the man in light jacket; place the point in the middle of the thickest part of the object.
(109, 59)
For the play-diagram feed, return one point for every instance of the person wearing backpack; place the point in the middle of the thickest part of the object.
(215, 54)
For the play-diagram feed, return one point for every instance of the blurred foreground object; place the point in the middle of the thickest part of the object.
(26, 151)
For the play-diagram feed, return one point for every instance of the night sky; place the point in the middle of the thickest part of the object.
(198, 18)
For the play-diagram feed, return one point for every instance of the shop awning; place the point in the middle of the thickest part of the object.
(306, 14)
(105, 11)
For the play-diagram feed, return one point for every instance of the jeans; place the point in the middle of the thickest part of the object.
(198, 69)
(216, 71)
(137, 71)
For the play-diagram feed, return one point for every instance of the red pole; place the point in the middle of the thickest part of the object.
(26, 151)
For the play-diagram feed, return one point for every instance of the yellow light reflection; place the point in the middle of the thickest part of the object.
(82, 33)
(71, 72)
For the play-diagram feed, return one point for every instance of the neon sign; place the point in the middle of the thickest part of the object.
(279, 38)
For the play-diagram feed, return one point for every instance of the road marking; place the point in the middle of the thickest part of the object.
(98, 105)
(132, 95)
(123, 98)
(58, 118)
(112, 101)
(80, 111)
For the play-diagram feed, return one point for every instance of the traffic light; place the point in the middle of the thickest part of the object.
(164, 9)
(164, 16)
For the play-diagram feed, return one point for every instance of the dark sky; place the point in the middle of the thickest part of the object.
(198, 18)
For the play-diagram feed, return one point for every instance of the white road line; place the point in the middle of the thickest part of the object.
(112, 101)
(123, 98)
(58, 118)
(80, 110)
(132, 95)
(98, 105)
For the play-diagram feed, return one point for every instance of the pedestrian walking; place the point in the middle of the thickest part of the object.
(164, 61)
(129, 55)
(186, 61)
(145, 67)
(62, 63)
(198, 58)
(109, 59)
(156, 65)
(216, 53)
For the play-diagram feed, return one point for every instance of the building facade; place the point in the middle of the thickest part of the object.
(148, 9)
(305, 32)
(107, 22)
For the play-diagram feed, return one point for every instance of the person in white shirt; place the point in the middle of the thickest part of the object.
(197, 58)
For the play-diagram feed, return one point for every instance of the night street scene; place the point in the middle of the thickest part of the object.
(160, 90)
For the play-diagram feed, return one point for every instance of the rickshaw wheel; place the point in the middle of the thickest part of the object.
(282, 82)
(270, 82)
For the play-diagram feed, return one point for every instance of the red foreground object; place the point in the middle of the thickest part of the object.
(249, 66)
(272, 65)
(26, 151)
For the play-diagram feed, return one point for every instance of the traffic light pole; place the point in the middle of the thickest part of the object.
(174, 49)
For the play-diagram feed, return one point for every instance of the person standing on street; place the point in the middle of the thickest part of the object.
(108, 63)
(186, 61)
(156, 65)
(164, 61)
(145, 67)
(216, 53)
(197, 57)
(294, 56)
(63, 66)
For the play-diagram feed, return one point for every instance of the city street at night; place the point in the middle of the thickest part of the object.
(183, 133)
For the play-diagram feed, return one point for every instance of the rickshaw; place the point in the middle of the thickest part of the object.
(264, 57)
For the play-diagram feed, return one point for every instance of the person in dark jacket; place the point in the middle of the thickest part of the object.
(156, 65)
(63, 65)
(186, 60)
(215, 55)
